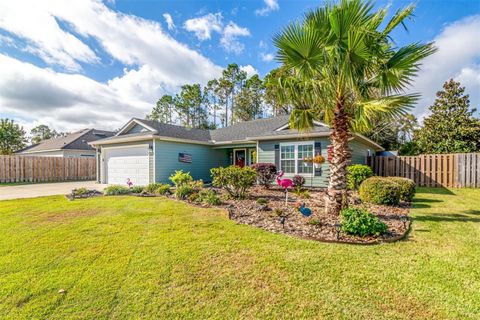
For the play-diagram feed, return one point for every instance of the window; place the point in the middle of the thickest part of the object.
(292, 155)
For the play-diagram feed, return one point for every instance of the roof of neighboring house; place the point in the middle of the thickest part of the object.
(259, 129)
(74, 141)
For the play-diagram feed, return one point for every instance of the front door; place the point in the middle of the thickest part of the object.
(239, 157)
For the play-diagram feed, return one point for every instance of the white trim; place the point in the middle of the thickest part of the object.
(257, 151)
(295, 156)
(291, 136)
(154, 162)
(136, 121)
(126, 146)
(315, 122)
(240, 149)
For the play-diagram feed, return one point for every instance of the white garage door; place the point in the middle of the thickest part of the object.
(127, 163)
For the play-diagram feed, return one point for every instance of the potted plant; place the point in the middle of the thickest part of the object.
(317, 161)
(307, 160)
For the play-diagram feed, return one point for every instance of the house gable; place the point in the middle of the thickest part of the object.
(135, 126)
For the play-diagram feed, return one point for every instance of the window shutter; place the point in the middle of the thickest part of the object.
(318, 151)
(277, 156)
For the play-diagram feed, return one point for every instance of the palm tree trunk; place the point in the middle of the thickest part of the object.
(336, 195)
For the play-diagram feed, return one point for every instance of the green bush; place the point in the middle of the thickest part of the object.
(234, 179)
(208, 197)
(360, 222)
(79, 191)
(180, 178)
(116, 190)
(184, 191)
(137, 189)
(262, 201)
(356, 174)
(379, 190)
(152, 187)
(163, 189)
(407, 188)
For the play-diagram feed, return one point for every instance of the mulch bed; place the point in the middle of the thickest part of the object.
(319, 226)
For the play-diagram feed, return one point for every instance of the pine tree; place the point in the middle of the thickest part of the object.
(163, 110)
(451, 126)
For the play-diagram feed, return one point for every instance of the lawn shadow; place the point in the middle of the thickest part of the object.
(454, 217)
(472, 211)
(439, 190)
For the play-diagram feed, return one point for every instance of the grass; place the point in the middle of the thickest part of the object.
(128, 257)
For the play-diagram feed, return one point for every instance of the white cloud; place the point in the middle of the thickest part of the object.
(205, 25)
(249, 69)
(64, 101)
(154, 62)
(270, 5)
(458, 57)
(229, 40)
(267, 57)
(169, 20)
(33, 22)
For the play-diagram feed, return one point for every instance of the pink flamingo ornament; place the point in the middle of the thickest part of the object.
(284, 183)
(129, 183)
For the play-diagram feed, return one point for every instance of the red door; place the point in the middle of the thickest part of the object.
(239, 158)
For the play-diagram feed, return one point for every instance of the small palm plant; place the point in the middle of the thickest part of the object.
(341, 66)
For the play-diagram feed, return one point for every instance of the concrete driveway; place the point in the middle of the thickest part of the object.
(45, 189)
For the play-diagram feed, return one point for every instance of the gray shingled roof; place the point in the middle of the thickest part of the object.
(173, 131)
(76, 140)
(254, 128)
(237, 132)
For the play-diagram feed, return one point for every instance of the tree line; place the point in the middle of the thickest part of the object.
(231, 98)
(450, 127)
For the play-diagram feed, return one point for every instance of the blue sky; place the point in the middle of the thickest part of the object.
(89, 63)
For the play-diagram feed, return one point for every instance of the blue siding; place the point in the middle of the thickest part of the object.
(266, 153)
(203, 159)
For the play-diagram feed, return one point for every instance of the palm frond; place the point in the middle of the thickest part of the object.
(399, 18)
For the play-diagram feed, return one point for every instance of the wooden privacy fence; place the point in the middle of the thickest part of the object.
(38, 169)
(432, 170)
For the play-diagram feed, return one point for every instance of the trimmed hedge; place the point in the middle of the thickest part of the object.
(380, 190)
(407, 188)
(356, 174)
(360, 222)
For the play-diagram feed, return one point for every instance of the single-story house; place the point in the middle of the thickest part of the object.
(73, 145)
(147, 151)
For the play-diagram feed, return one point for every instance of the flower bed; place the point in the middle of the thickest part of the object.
(319, 226)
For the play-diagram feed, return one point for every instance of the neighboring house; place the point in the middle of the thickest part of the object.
(73, 145)
(147, 151)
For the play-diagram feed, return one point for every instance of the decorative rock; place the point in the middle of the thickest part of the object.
(62, 291)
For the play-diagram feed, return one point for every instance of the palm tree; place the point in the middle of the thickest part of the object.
(345, 69)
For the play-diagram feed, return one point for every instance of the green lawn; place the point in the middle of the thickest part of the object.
(128, 257)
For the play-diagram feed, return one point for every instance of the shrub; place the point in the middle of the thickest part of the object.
(356, 174)
(266, 173)
(298, 181)
(152, 187)
(79, 191)
(379, 190)
(184, 191)
(136, 189)
(116, 190)
(262, 201)
(279, 212)
(163, 189)
(357, 221)
(234, 180)
(180, 178)
(193, 197)
(209, 197)
(407, 188)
